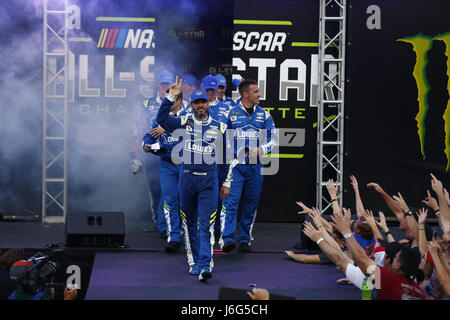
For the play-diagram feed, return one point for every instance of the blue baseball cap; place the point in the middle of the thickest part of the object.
(190, 79)
(209, 82)
(236, 82)
(198, 94)
(165, 77)
(221, 81)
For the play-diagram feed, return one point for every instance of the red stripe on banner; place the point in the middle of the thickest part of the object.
(113, 42)
(110, 33)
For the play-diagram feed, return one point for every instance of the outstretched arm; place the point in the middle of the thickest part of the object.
(444, 209)
(359, 204)
(423, 244)
(359, 255)
(389, 201)
(336, 256)
(412, 223)
(383, 225)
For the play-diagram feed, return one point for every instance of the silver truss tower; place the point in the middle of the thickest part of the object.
(54, 102)
(330, 111)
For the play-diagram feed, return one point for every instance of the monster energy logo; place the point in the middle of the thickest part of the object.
(421, 45)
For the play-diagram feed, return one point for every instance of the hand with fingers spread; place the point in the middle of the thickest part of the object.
(347, 214)
(305, 210)
(369, 218)
(341, 223)
(422, 216)
(311, 232)
(332, 189)
(401, 202)
(382, 224)
(431, 202)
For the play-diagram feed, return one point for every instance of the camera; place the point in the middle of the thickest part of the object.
(34, 274)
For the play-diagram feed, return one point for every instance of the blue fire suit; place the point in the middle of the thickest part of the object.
(147, 116)
(247, 178)
(169, 176)
(198, 186)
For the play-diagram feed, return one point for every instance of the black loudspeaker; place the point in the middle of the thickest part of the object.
(95, 229)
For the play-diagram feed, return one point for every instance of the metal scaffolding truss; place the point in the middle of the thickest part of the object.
(330, 111)
(54, 146)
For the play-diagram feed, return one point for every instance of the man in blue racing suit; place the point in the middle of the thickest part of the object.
(198, 188)
(161, 143)
(249, 123)
(145, 118)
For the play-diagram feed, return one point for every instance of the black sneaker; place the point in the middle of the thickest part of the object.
(205, 275)
(172, 246)
(228, 246)
(244, 247)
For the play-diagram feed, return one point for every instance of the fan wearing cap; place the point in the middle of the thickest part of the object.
(217, 108)
(202, 135)
(221, 87)
(145, 118)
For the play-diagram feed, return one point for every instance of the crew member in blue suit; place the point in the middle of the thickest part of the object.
(198, 188)
(189, 85)
(161, 143)
(145, 118)
(249, 122)
(221, 87)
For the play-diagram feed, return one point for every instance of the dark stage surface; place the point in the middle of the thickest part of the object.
(143, 271)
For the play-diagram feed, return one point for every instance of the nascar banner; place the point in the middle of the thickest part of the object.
(398, 127)
(117, 49)
(279, 49)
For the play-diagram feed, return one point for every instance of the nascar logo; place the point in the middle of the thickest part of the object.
(126, 38)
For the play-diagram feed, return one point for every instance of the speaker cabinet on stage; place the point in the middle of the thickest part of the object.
(95, 229)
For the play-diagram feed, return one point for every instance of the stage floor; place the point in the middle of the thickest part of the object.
(143, 271)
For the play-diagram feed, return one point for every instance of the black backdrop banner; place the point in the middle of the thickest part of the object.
(278, 48)
(397, 97)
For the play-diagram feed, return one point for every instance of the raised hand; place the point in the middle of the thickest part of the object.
(436, 185)
(431, 202)
(369, 218)
(354, 182)
(382, 224)
(401, 202)
(347, 214)
(332, 189)
(375, 186)
(341, 223)
(175, 88)
(422, 216)
(310, 231)
(447, 196)
(305, 210)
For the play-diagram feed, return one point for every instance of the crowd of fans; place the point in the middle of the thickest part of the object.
(364, 249)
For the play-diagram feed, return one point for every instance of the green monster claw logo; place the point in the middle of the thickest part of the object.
(421, 45)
